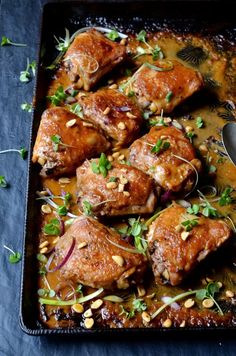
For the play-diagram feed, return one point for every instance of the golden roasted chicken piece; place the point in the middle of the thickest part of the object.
(64, 141)
(174, 252)
(165, 153)
(164, 85)
(90, 56)
(118, 115)
(125, 190)
(95, 261)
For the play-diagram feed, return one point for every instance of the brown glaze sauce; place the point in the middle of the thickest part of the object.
(220, 67)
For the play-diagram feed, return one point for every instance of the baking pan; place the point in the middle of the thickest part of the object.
(213, 18)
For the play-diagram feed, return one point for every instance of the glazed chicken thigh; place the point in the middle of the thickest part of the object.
(95, 261)
(90, 56)
(165, 88)
(174, 252)
(125, 190)
(156, 154)
(118, 115)
(64, 141)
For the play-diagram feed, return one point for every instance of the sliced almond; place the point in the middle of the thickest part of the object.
(44, 244)
(146, 317)
(188, 128)
(43, 250)
(46, 209)
(185, 235)
(153, 107)
(88, 323)
(183, 324)
(123, 41)
(166, 275)
(82, 245)
(111, 185)
(130, 115)
(126, 193)
(141, 291)
(121, 157)
(121, 125)
(113, 86)
(87, 124)
(116, 154)
(229, 294)
(208, 303)
(97, 304)
(41, 161)
(167, 323)
(189, 303)
(78, 308)
(107, 110)
(88, 313)
(123, 180)
(121, 188)
(71, 123)
(110, 158)
(64, 180)
(119, 260)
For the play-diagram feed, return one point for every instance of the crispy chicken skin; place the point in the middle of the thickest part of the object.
(151, 86)
(174, 255)
(99, 263)
(132, 192)
(118, 115)
(90, 56)
(83, 142)
(170, 172)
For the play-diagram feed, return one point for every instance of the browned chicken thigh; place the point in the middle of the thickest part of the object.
(174, 252)
(118, 115)
(156, 154)
(64, 141)
(125, 190)
(166, 87)
(90, 56)
(95, 261)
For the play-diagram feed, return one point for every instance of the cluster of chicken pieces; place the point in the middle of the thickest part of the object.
(161, 160)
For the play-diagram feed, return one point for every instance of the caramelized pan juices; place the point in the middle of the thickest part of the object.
(137, 194)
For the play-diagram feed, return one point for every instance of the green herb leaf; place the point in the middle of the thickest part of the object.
(87, 207)
(63, 44)
(194, 209)
(67, 198)
(139, 305)
(201, 294)
(136, 230)
(52, 228)
(190, 135)
(77, 110)
(141, 36)
(157, 53)
(160, 146)
(199, 122)
(58, 97)
(6, 42)
(102, 167)
(159, 69)
(79, 289)
(27, 107)
(189, 224)
(212, 168)
(25, 75)
(42, 258)
(3, 182)
(225, 198)
(169, 96)
(23, 153)
(15, 257)
(62, 210)
(113, 35)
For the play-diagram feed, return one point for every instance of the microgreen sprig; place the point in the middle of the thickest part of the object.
(160, 146)
(156, 51)
(3, 182)
(26, 107)
(52, 228)
(7, 42)
(63, 43)
(136, 229)
(56, 139)
(102, 167)
(58, 97)
(22, 151)
(199, 122)
(189, 224)
(225, 198)
(77, 110)
(14, 257)
(113, 35)
(25, 75)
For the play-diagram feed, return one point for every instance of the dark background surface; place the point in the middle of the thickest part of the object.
(19, 20)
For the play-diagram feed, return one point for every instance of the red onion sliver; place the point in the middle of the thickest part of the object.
(173, 305)
(64, 260)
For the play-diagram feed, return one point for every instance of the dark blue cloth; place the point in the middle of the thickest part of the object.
(20, 21)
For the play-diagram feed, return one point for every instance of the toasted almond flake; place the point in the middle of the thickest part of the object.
(111, 185)
(207, 303)
(82, 244)
(183, 324)
(71, 123)
(107, 110)
(167, 120)
(189, 303)
(88, 323)
(220, 285)
(80, 83)
(166, 275)
(185, 235)
(121, 157)
(113, 86)
(116, 154)
(229, 294)
(97, 304)
(178, 228)
(151, 296)
(119, 260)
(87, 124)
(167, 323)
(46, 209)
(123, 180)
(123, 42)
(121, 188)
(110, 81)
(110, 158)
(78, 308)
(64, 180)
(43, 250)
(116, 148)
(121, 125)
(41, 161)
(141, 291)
(126, 193)
(44, 244)
(81, 94)
(88, 313)
(153, 107)
(55, 240)
(130, 115)
(188, 128)
(163, 137)
(42, 193)
(203, 148)
(146, 317)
